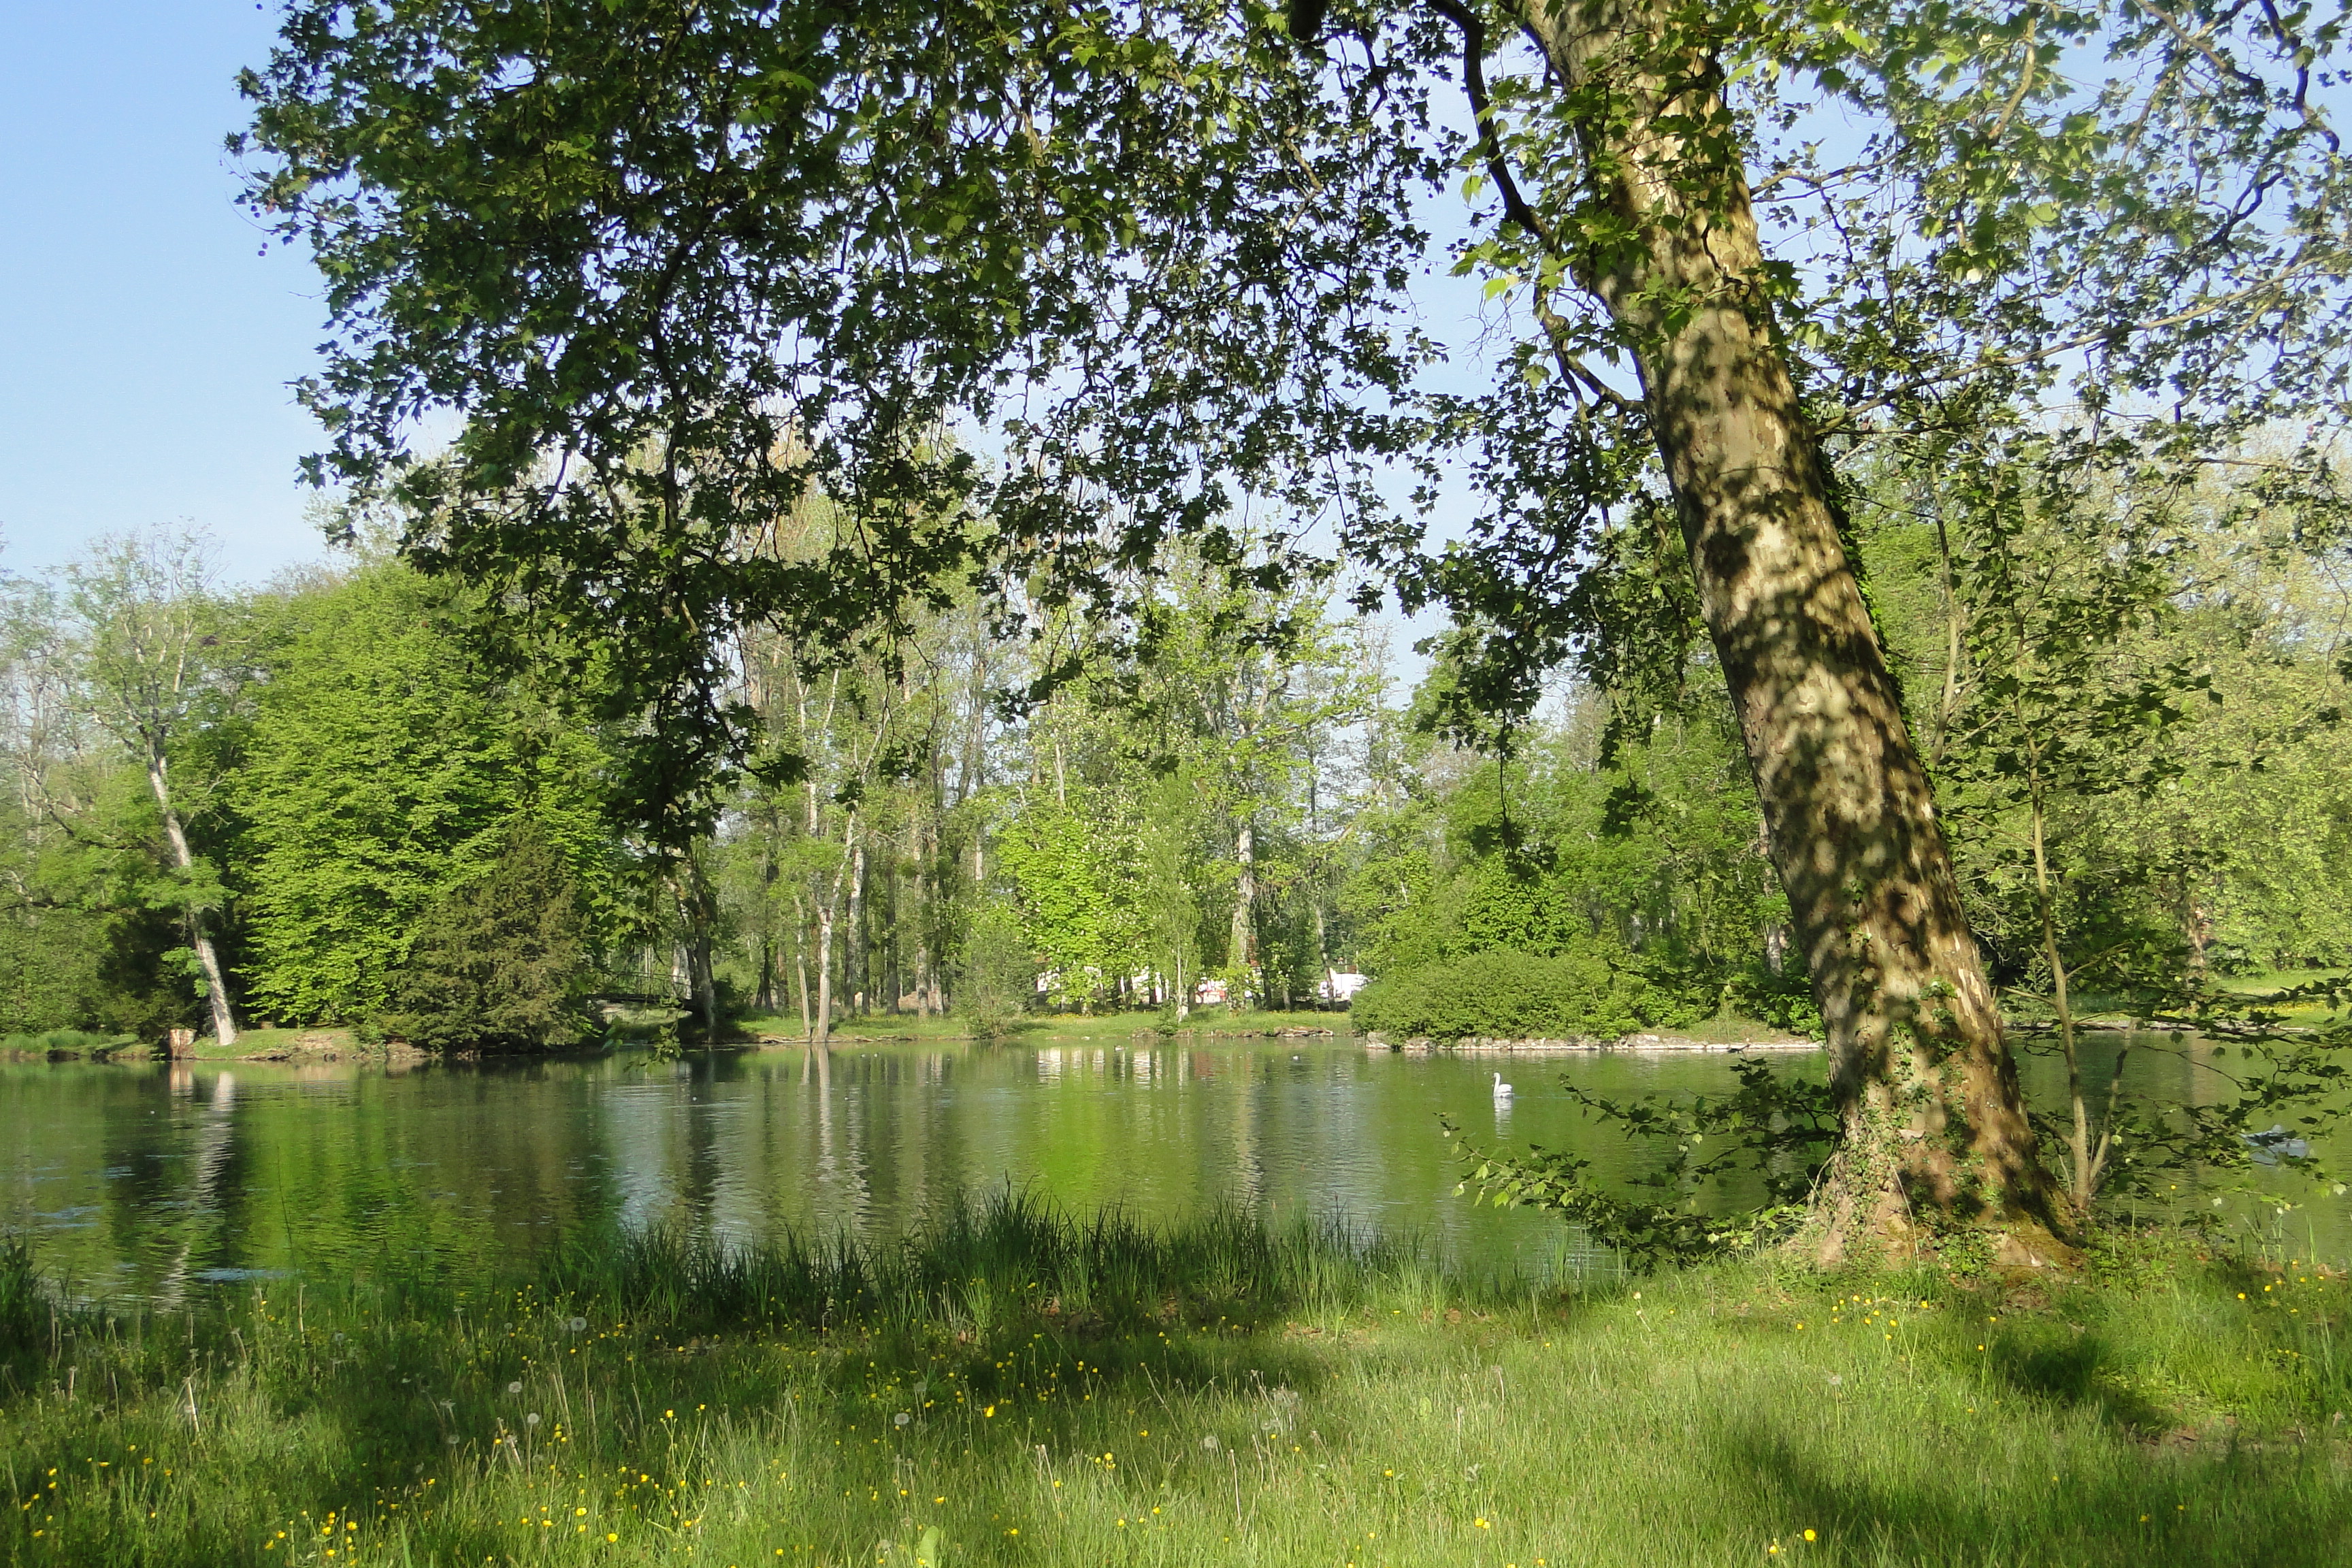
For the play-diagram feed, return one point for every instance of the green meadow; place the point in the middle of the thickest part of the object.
(1017, 1386)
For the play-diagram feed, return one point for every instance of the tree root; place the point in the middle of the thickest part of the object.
(1861, 1216)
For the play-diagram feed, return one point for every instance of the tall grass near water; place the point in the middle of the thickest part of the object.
(1019, 1386)
(61, 1042)
(981, 1264)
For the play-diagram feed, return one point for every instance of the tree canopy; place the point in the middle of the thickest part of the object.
(1027, 292)
(676, 264)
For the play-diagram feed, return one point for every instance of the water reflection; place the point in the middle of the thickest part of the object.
(158, 1180)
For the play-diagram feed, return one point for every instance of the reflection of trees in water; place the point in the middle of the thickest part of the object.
(205, 1216)
(643, 1124)
(699, 1179)
(843, 1196)
(1248, 1156)
(2158, 1069)
(151, 1179)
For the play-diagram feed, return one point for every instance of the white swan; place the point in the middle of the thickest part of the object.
(1502, 1090)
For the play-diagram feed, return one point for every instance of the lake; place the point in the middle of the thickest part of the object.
(155, 1181)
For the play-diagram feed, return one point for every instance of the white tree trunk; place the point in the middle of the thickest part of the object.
(208, 958)
(854, 966)
(800, 965)
(1244, 936)
(824, 973)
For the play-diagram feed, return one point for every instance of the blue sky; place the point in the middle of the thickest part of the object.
(145, 348)
(146, 341)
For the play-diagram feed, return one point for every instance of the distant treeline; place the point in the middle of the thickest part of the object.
(316, 803)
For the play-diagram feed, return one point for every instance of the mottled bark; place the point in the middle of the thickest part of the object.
(1935, 1128)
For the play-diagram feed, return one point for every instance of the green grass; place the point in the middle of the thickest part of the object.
(2091, 1003)
(2265, 981)
(2261, 979)
(250, 1044)
(264, 1042)
(1726, 1029)
(69, 1042)
(1096, 1391)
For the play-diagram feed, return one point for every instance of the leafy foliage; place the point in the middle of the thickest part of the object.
(996, 975)
(125, 712)
(386, 763)
(1509, 996)
(1079, 891)
(1775, 1127)
(499, 962)
(1644, 844)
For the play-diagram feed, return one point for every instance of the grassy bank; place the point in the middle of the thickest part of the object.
(252, 1045)
(1042, 1029)
(1016, 1387)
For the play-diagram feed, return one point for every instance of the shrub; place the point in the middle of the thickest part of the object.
(995, 975)
(21, 1306)
(1785, 1000)
(499, 964)
(1507, 996)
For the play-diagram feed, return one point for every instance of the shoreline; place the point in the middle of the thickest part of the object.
(1484, 1045)
(326, 1046)
(314, 1047)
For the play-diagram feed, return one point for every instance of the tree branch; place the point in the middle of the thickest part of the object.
(1474, 82)
(2052, 351)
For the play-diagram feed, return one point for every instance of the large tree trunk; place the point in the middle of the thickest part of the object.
(1935, 1132)
(199, 938)
(700, 908)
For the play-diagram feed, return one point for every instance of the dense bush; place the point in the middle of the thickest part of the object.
(1508, 996)
(995, 975)
(499, 964)
(1784, 1000)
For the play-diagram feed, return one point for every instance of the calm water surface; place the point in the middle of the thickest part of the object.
(154, 1182)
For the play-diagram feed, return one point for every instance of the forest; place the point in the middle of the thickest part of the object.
(318, 801)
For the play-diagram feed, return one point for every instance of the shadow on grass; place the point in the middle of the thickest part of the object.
(987, 1331)
(1000, 1334)
(2138, 1507)
(2077, 1367)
